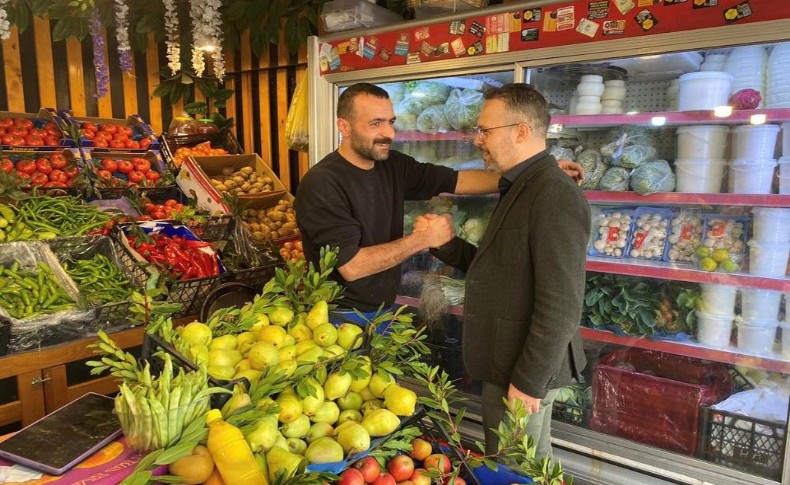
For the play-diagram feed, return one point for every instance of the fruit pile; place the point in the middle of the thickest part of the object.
(179, 257)
(272, 223)
(200, 150)
(723, 244)
(243, 181)
(114, 136)
(412, 468)
(23, 132)
(169, 209)
(126, 173)
(52, 171)
(292, 250)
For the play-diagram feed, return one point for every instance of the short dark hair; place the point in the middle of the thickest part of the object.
(345, 103)
(525, 103)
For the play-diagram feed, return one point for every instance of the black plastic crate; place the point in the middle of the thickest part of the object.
(571, 413)
(215, 229)
(741, 442)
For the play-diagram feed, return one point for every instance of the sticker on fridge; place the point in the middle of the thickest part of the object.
(370, 47)
(598, 9)
(674, 2)
(402, 44)
(530, 35)
(385, 54)
(737, 12)
(550, 22)
(614, 27)
(477, 29)
(647, 3)
(427, 49)
(646, 20)
(422, 33)
(442, 49)
(624, 6)
(530, 15)
(704, 3)
(496, 24)
(334, 59)
(587, 27)
(458, 47)
(457, 27)
(565, 18)
(413, 58)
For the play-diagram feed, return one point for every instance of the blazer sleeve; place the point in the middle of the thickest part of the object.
(457, 253)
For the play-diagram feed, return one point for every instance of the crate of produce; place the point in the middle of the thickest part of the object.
(178, 148)
(44, 130)
(741, 442)
(626, 383)
(685, 236)
(271, 220)
(114, 174)
(109, 134)
(105, 285)
(649, 233)
(190, 281)
(48, 172)
(724, 239)
(611, 231)
(572, 413)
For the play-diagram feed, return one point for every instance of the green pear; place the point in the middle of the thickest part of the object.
(262, 355)
(351, 400)
(260, 459)
(310, 356)
(340, 427)
(366, 394)
(236, 402)
(301, 332)
(196, 333)
(325, 334)
(369, 406)
(380, 422)
(280, 461)
(199, 354)
(336, 385)
(297, 446)
(318, 315)
(286, 367)
(290, 407)
(226, 342)
(312, 394)
(261, 321)
(379, 382)
(334, 351)
(264, 435)
(224, 357)
(304, 346)
(281, 442)
(245, 340)
(273, 335)
(353, 438)
(252, 375)
(222, 372)
(281, 316)
(400, 400)
(296, 428)
(319, 430)
(365, 372)
(349, 336)
(327, 413)
(287, 352)
(289, 340)
(349, 415)
(324, 450)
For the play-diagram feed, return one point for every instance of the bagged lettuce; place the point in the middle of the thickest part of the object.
(396, 91)
(652, 177)
(463, 108)
(433, 120)
(615, 179)
(562, 153)
(593, 166)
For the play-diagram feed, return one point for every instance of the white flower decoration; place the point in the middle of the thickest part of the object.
(173, 41)
(5, 25)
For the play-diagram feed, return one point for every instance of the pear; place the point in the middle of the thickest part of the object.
(260, 459)
(261, 321)
(224, 357)
(349, 336)
(245, 340)
(369, 406)
(312, 394)
(281, 316)
(334, 351)
(366, 371)
(301, 332)
(340, 427)
(297, 446)
(349, 415)
(365, 393)
(379, 382)
(236, 402)
(353, 438)
(319, 430)
(264, 435)
(199, 354)
(289, 340)
(327, 413)
(286, 367)
(290, 407)
(226, 342)
(273, 335)
(400, 400)
(196, 333)
(380, 422)
(325, 334)
(222, 372)
(336, 385)
(243, 364)
(287, 352)
(318, 315)
(252, 375)
(263, 355)
(280, 461)
(281, 442)
(297, 428)
(304, 346)
(324, 450)
(351, 400)
(310, 356)
(266, 402)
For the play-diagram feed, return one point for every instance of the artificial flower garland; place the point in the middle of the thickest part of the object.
(5, 25)
(196, 13)
(99, 57)
(207, 31)
(122, 36)
(173, 38)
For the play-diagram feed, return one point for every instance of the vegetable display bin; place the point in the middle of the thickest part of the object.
(655, 398)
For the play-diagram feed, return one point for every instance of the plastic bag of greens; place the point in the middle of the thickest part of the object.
(405, 120)
(396, 91)
(632, 156)
(433, 120)
(615, 179)
(593, 166)
(562, 153)
(463, 108)
(424, 94)
(653, 177)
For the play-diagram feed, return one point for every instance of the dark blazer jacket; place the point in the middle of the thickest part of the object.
(525, 284)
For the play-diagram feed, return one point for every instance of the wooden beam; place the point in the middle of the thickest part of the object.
(105, 102)
(152, 68)
(130, 91)
(230, 104)
(14, 86)
(45, 67)
(264, 105)
(103, 385)
(76, 77)
(246, 92)
(282, 113)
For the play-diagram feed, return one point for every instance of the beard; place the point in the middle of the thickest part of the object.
(377, 149)
(489, 163)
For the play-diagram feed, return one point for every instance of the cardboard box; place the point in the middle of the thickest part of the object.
(40, 119)
(196, 173)
(140, 128)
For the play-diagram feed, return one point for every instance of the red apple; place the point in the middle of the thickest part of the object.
(351, 476)
(419, 477)
(406, 482)
(420, 449)
(437, 461)
(369, 467)
(455, 481)
(384, 479)
(400, 467)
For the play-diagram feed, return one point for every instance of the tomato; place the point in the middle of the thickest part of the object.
(120, 136)
(43, 166)
(125, 166)
(23, 175)
(71, 171)
(136, 177)
(34, 141)
(110, 165)
(26, 165)
(117, 144)
(36, 131)
(58, 161)
(158, 215)
(178, 207)
(51, 141)
(88, 135)
(104, 175)
(58, 175)
(111, 129)
(141, 165)
(127, 130)
(100, 144)
(152, 176)
(144, 143)
(87, 125)
(24, 123)
(39, 178)
(170, 202)
(7, 165)
(6, 122)
(18, 130)
(52, 128)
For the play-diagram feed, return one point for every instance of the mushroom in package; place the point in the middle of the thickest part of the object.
(611, 236)
(723, 242)
(649, 235)
(685, 236)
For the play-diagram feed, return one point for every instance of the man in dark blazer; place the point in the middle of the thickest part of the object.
(525, 281)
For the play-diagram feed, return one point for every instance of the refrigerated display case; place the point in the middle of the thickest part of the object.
(668, 392)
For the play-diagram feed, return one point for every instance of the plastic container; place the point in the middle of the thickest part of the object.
(757, 339)
(231, 453)
(699, 176)
(339, 15)
(685, 235)
(748, 177)
(768, 259)
(614, 90)
(785, 337)
(714, 330)
(649, 233)
(758, 305)
(786, 141)
(706, 142)
(672, 95)
(718, 300)
(784, 184)
(714, 62)
(771, 224)
(703, 90)
(588, 108)
(611, 233)
(755, 141)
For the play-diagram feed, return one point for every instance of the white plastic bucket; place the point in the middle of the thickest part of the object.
(755, 141)
(758, 340)
(752, 178)
(771, 224)
(768, 259)
(718, 300)
(704, 90)
(699, 176)
(702, 142)
(784, 184)
(714, 330)
(786, 140)
(758, 305)
(784, 166)
(785, 337)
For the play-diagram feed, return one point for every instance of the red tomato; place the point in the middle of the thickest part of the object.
(2, 131)
(23, 122)
(6, 122)
(23, 176)
(112, 129)
(43, 166)
(104, 175)
(100, 143)
(136, 177)
(158, 215)
(170, 202)
(34, 141)
(144, 143)
(51, 141)
(58, 175)
(120, 136)
(152, 176)
(141, 165)
(19, 130)
(26, 165)
(133, 144)
(110, 165)
(7, 165)
(125, 166)
(88, 135)
(117, 144)
(12, 140)
(58, 161)
(71, 171)
(39, 178)
(87, 125)
(51, 128)
(128, 130)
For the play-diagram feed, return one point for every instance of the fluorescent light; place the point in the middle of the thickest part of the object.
(633, 113)
(658, 120)
(757, 119)
(722, 111)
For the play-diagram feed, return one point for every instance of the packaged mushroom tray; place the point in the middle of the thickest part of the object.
(649, 234)
(611, 228)
(685, 236)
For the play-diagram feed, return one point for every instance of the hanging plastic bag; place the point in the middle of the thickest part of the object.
(296, 127)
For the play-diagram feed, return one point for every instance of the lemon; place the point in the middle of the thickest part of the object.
(708, 264)
(720, 255)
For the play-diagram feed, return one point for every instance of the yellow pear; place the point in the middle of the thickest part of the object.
(280, 461)
(373, 405)
(325, 334)
(252, 375)
(224, 342)
(319, 430)
(312, 394)
(349, 336)
(304, 346)
(196, 333)
(297, 446)
(379, 382)
(362, 381)
(334, 351)
(289, 340)
(336, 385)
(287, 352)
(281, 316)
(262, 321)
(222, 372)
(262, 355)
(224, 357)
(243, 364)
(349, 415)
(290, 407)
(328, 412)
(287, 367)
(199, 354)
(365, 393)
(324, 450)
(245, 340)
(297, 428)
(310, 356)
(263, 437)
(353, 438)
(380, 422)
(273, 335)
(236, 402)
(318, 315)
(301, 332)
(351, 400)
(400, 400)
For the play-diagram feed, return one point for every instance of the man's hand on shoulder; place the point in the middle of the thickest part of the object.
(572, 170)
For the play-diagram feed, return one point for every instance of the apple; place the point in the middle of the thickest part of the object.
(437, 461)
(420, 449)
(454, 481)
(351, 476)
(384, 479)
(369, 467)
(400, 467)
(419, 477)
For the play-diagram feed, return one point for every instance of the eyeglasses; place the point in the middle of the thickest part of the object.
(485, 131)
